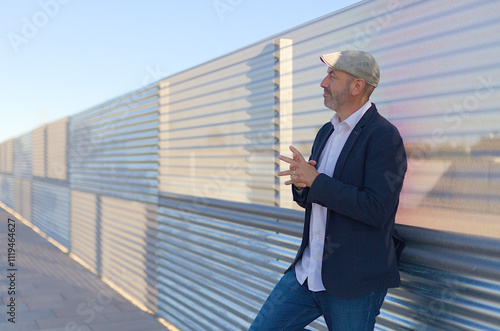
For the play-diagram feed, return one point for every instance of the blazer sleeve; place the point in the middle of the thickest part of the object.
(375, 201)
(300, 196)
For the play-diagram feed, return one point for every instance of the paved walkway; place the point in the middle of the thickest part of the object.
(53, 292)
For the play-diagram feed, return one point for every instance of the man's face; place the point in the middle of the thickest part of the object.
(336, 86)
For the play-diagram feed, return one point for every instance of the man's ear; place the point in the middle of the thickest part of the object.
(357, 86)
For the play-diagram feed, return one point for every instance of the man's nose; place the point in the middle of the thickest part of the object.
(324, 83)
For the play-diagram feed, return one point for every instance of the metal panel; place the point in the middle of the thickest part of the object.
(7, 190)
(7, 156)
(219, 142)
(39, 152)
(284, 116)
(51, 210)
(439, 86)
(23, 160)
(114, 147)
(23, 156)
(128, 249)
(22, 197)
(26, 199)
(219, 260)
(449, 282)
(85, 228)
(18, 194)
(56, 149)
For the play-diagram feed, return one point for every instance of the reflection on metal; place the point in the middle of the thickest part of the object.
(85, 229)
(449, 282)
(165, 161)
(113, 148)
(448, 123)
(22, 197)
(219, 140)
(7, 190)
(39, 152)
(217, 260)
(128, 256)
(23, 147)
(56, 149)
(51, 210)
(6, 156)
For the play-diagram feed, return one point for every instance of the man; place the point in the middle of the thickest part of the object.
(350, 191)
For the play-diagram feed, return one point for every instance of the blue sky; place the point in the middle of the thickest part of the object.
(60, 57)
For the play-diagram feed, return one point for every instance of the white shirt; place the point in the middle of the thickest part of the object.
(311, 262)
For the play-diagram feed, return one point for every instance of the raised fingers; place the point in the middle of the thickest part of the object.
(297, 155)
(286, 159)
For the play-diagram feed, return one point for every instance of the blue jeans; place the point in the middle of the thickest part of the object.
(291, 306)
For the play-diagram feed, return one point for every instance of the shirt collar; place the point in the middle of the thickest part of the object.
(352, 120)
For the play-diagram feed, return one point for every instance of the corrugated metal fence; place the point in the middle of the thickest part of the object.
(172, 197)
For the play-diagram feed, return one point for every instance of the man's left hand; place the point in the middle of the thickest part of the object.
(302, 173)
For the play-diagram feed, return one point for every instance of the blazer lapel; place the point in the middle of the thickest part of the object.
(356, 132)
(317, 151)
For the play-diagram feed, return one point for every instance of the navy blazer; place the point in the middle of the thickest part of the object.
(362, 198)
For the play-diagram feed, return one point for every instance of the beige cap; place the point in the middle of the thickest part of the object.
(357, 63)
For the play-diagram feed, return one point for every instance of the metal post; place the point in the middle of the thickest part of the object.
(283, 113)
